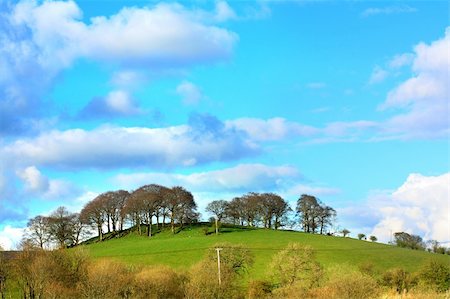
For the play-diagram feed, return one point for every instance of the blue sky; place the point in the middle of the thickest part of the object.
(347, 101)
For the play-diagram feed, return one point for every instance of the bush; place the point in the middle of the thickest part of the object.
(344, 282)
(367, 268)
(435, 275)
(259, 289)
(296, 265)
(107, 279)
(159, 282)
(398, 279)
(203, 282)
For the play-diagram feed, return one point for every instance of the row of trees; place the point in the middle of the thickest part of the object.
(268, 210)
(112, 209)
(156, 204)
(62, 227)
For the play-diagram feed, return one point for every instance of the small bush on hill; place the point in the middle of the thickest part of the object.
(159, 282)
(435, 275)
(259, 289)
(398, 279)
(344, 282)
(296, 264)
(107, 279)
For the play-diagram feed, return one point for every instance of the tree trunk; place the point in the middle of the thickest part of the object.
(100, 233)
(149, 230)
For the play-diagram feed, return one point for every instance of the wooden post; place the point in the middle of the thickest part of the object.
(218, 265)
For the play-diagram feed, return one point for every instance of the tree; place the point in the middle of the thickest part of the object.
(314, 214)
(180, 205)
(361, 236)
(325, 217)
(218, 208)
(38, 230)
(113, 203)
(345, 232)
(373, 238)
(61, 226)
(406, 240)
(93, 214)
(235, 211)
(147, 201)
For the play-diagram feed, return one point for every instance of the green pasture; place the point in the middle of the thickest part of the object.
(188, 246)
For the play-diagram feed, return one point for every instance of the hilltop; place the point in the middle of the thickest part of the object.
(188, 246)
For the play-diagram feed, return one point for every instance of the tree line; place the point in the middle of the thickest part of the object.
(156, 205)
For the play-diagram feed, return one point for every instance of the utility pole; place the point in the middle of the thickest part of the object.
(218, 264)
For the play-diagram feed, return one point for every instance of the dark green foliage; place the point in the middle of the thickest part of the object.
(406, 240)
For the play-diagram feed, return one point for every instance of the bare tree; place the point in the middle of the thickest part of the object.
(147, 200)
(113, 203)
(93, 214)
(218, 208)
(180, 203)
(38, 230)
(61, 226)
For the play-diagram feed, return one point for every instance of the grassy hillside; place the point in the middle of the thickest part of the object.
(189, 246)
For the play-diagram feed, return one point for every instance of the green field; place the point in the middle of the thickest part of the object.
(189, 246)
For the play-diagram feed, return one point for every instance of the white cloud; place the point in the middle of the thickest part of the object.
(10, 237)
(388, 10)
(224, 12)
(272, 129)
(128, 79)
(425, 96)
(300, 189)
(40, 39)
(243, 177)
(420, 206)
(378, 75)
(33, 179)
(105, 147)
(163, 34)
(190, 93)
(121, 102)
(401, 60)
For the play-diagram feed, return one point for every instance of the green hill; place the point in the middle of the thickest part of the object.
(185, 248)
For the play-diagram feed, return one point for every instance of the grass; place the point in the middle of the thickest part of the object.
(185, 248)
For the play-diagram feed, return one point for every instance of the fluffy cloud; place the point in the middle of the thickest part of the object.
(163, 34)
(378, 75)
(189, 92)
(39, 40)
(117, 103)
(272, 129)
(420, 206)
(204, 140)
(241, 178)
(10, 237)
(33, 180)
(424, 98)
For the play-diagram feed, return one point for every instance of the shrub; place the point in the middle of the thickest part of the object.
(296, 265)
(203, 282)
(107, 279)
(367, 268)
(159, 282)
(344, 282)
(435, 275)
(398, 279)
(259, 289)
